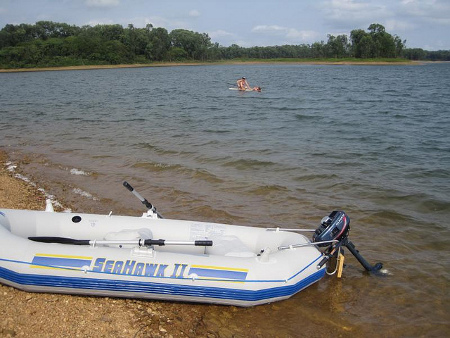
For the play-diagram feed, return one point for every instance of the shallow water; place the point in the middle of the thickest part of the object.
(370, 140)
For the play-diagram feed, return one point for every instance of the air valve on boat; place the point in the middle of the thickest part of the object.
(333, 233)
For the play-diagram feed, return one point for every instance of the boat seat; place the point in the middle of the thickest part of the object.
(230, 246)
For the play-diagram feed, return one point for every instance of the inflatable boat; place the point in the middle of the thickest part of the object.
(150, 257)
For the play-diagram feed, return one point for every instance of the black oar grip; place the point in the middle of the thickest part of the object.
(159, 242)
(203, 243)
(128, 186)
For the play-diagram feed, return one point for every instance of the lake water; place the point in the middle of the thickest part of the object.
(371, 140)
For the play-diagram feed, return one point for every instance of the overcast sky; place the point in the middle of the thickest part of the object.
(423, 23)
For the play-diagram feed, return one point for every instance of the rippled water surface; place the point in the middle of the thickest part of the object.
(371, 140)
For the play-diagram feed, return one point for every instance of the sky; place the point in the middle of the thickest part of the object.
(422, 23)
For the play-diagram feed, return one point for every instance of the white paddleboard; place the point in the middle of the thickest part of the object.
(247, 90)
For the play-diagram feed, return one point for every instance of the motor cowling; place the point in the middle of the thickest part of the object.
(336, 226)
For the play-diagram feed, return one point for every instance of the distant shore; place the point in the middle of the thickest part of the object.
(231, 62)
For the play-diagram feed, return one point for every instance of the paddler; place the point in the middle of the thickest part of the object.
(243, 84)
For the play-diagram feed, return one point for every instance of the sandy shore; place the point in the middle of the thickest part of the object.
(37, 69)
(173, 64)
(51, 315)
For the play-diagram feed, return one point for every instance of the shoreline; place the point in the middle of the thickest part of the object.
(178, 64)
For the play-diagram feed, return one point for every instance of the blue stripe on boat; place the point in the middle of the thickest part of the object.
(159, 288)
(43, 261)
(218, 273)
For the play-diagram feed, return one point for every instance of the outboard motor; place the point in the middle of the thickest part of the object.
(336, 226)
(334, 230)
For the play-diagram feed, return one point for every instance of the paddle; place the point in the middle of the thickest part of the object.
(293, 230)
(149, 206)
(139, 242)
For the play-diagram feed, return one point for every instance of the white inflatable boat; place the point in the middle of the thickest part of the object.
(153, 258)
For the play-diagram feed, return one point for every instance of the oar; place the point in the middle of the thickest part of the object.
(292, 230)
(306, 244)
(139, 242)
(142, 199)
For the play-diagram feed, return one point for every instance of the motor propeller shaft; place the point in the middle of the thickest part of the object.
(351, 247)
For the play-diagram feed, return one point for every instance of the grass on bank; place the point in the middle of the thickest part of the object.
(325, 60)
(80, 64)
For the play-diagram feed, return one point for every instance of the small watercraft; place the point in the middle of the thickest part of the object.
(150, 257)
(255, 89)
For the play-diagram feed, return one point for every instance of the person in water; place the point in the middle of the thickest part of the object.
(243, 84)
(256, 89)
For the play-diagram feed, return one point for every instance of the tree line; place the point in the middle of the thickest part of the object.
(48, 43)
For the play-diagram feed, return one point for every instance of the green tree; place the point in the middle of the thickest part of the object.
(195, 44)
(356, 36)
(415, 54)
(399, 46)
(383, 43)
(375, 43)
(52, 43)
(337, 46)
(130, 39)
(367, 47)
(176, 54)
(111, 32)
(232, 52)
(318, 50)
(158, 45)
(115, 52)
(12, 35)
(48, 29)
(214, 52)
(440, 55)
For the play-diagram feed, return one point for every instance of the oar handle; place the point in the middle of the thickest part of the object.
(161, 242)
(203, 243)
(128, 186)
(292, 230)
(138, 195)
(142, 199)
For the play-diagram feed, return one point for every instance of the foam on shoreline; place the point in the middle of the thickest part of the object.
(11, 167)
